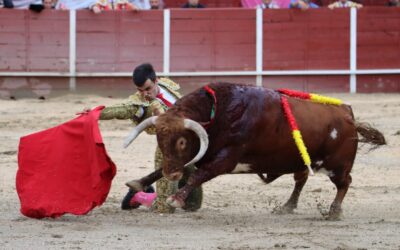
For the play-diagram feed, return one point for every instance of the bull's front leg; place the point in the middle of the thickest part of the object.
(223, 162)
(141, 184)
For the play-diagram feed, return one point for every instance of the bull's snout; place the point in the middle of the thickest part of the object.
(176, 176)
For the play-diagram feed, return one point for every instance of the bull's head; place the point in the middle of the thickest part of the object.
(177, 139)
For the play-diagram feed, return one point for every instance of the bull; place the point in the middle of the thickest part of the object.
(247, 132)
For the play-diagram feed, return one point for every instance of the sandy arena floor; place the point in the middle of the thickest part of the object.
(237, 209)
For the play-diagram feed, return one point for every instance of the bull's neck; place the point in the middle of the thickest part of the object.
(197, 106)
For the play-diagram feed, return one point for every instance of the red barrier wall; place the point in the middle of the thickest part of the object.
(203, 40)
(206, 40)
(378, 38)
(301, 40)
(34, 42)
(115, 41)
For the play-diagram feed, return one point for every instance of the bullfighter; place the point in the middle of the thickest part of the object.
(154, 96)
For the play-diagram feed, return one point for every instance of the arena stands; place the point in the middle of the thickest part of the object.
(208, 3)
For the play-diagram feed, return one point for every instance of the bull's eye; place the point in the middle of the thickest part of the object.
(181, 143)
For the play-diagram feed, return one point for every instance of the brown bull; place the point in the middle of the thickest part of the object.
(250, 134)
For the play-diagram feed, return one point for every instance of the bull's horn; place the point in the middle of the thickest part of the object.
(202, 134)
(139, 129)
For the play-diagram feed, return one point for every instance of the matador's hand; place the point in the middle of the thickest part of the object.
(84, 111)
(156, 107)
(149, 97)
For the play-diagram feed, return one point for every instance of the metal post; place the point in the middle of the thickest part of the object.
(167, 33)
(259, 45)
(72, 50)
(353, 50)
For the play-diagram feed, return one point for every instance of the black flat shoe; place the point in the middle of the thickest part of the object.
(126, 202)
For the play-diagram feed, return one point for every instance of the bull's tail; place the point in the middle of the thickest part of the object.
(370, 135)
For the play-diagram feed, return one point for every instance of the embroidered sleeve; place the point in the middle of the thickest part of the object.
(168, 83)
(122, 111)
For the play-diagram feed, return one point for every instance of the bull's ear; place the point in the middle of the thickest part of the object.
(181, 143)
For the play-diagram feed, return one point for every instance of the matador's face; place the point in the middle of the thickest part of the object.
(149, 90)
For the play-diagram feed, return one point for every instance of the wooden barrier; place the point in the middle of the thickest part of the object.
(116, 41)
(378, 38)
(303, 40)
(209, 40)
(33, 42)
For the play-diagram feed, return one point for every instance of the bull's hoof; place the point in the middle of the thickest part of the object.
(135, 185)
(283, 210)
(174, 201)
(334, 214)
(334, 217)
(288, 208)
(191, 206)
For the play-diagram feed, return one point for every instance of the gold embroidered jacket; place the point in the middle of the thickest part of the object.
(137, 108)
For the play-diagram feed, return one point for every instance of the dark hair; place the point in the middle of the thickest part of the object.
(36, 7)
(142, 73)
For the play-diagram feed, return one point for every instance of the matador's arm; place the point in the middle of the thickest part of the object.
(132, 111)
(122, 112)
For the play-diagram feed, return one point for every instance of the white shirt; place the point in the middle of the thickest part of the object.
(75, 4)
(141, 4)
(168, 96)
(24, 4)
(272, 5)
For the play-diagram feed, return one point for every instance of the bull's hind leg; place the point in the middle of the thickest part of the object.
(341, 163)
(300, 178)
(342, 181)
(269, 177)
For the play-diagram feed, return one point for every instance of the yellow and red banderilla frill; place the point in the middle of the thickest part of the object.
(298, 139)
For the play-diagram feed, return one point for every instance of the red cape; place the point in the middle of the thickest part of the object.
(64, 169)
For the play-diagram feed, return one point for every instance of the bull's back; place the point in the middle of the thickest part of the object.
(323, 127)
